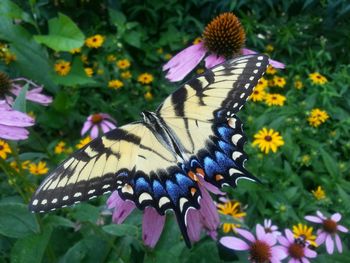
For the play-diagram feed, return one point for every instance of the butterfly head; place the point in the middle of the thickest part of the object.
(149, 117)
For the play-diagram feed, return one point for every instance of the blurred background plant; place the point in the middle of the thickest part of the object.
(106, 57)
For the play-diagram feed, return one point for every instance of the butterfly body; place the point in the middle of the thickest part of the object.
(194, 135)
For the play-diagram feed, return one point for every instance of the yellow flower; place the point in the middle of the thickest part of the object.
(168, 56)
(111, 58)
(231, 208)
(148, 96)
(84, 59)
(279, 81)
(197, 40)
(4, 149)
(319, 193)
(262, 83)
(269, 48)
(24, 165)
(317, 78)
(9, 57)
(83, 142)
(275, 99)
(123, 64)
(306, 159)
(200, 71)
(60, 147)
(271, 70)
(115, 84)
(258, 94)
(145, 78)
(38, 169)
(298, 84)
(126, 75)
(62, 67)
(75, 50)
(89, 72)
(317, 117)
(268, 140)
(95, 41)
(305, 233)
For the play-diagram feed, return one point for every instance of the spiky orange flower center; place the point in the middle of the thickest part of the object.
(96, 118)
(330, 226)
(224, 35)
(5, 84)
(296, 251)
(260, 252)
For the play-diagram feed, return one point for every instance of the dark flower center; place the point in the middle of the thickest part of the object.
(260, 252)
(268, 138)
(268, 230)
(296, 251)
(330, 226)
(224, 35)
(96, 118)
(318, 76)
(1, 148)
(5, 84)
(274, 97)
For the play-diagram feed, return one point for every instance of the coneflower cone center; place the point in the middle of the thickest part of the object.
(330, 226)
(96, 118)
(5, 84)
(260, 252)
(224, 35)
(296, 251)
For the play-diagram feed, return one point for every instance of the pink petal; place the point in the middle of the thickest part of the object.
(342, 228)
(213, 234)
(152, 226)
(113, 200)
(320, 215)
(194, 225)
(185, 61)
(314, 219)
(209, 214)
(13, 133)
(104, 127)
(276, 64)
(121, 208)
(109, 124)
(289, 235)
(292, 260)
(87, 125)
(269, 239)
(15, 118)
(234, 243)
(336, 217)
(260, 232)
(246, 51)
(35, 96)
(338, 243)
(94, 132)
(321, 238)
(213, 60)
(246, 234)
(278, 252)
(310, 253)
(283, 241)
(212, 188)
(305, 260)
(329, 244)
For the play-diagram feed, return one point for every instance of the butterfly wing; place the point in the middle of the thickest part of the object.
(201, 116)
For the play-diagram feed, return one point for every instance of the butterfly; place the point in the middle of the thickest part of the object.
(155, 162)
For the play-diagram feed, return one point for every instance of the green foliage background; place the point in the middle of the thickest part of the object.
(308, 36)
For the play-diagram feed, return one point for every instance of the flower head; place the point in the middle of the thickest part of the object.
(319, 193)
(258, 94)
(329, 231)
(61, 148)
(13, 123)
(304, 233)
(298, 84)
(268, 140)
(148, 96)
(233, 209)
(89, 71)
(97, 122)
(275, 99)
(123, 64)
(317, 117)
(38, 169)
(271, 70)
(295, 248)
(115, 84)
(83, 142)
(317, 79)
(270, 228)
(75, 50)
(261, 248)
(62, 67)
(4, 149)
(95, 41)
(126, 75)
(279, 81)
(145, 78)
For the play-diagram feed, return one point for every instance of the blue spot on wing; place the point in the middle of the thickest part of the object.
(141, 185)
(224, 160)
(158, 189)
(173, 190)
(211, 167)
(225, 133)
(184, 182)
(226, 147)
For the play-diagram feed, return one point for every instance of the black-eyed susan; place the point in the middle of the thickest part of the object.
(258, 94)
(126, 75)
(60, 147)
(298, 84)
(89, 72)
(62, 67)
(83, 142)
(317, 117)
(75, 50)
(4, 149)
(271, 70)
(319, 193)
(111, 58)
(233, 209)
(145, 78)
(115, 84)
(304, 232)
(274, 99)
(123, 63)
(262, 83)
(95, 41)
(317, 78)
(279, 81)
(268, 140)
(24, 165)
(38, 169)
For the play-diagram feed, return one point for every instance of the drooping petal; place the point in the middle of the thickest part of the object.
(336, 217)
(13, 133)
(289, 235)
(329, 244)
(234, 243)
(211, 188)
(109, 124)
(87, 126)
(194, 225)
(152, 226)
(273, 63)
(185, 61)
(121, 208)
(246, 234)
(35, 95)
(15, 118)
(342, 228)
(209, 214)
(321, 238)
(310, 253)
(314, 219)
(320, 215)
(338, 243)
(94, 132)
(213, 60)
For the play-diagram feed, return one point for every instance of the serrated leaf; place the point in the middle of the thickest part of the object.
(64, 34)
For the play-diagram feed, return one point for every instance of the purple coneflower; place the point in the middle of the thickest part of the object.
(13, 123)
(269, 228)
(330, 229)
(223, 38)
(262, 249)
(205, 218)
(12, 87)
(97, 122)
(295, 248)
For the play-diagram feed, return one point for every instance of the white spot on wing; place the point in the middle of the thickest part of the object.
(65, 197)
(236, 138)
(258, 64)
(35, 202)
(91, 191)
(255, 71)
(235, 105)
(77, 194)
(247, 85)
(234, 171)
(106, 186)
(242, 95)
(251, 78)
(236, 155)
(182, 202)
(144, 197)
(260, 58)
(54, 201)
(44, 202)
(163, 200)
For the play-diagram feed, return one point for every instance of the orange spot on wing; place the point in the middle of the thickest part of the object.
(200, 171)
(193, 191)
(192, 175)
(218, 177)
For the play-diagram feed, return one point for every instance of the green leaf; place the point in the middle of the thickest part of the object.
(58, 221)
(31, 248)
(116, 17)
(121, 230)
(16, 220)
(330, 163)
(64, 34)
(133, 38)
(20, 102)
(86, 212)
